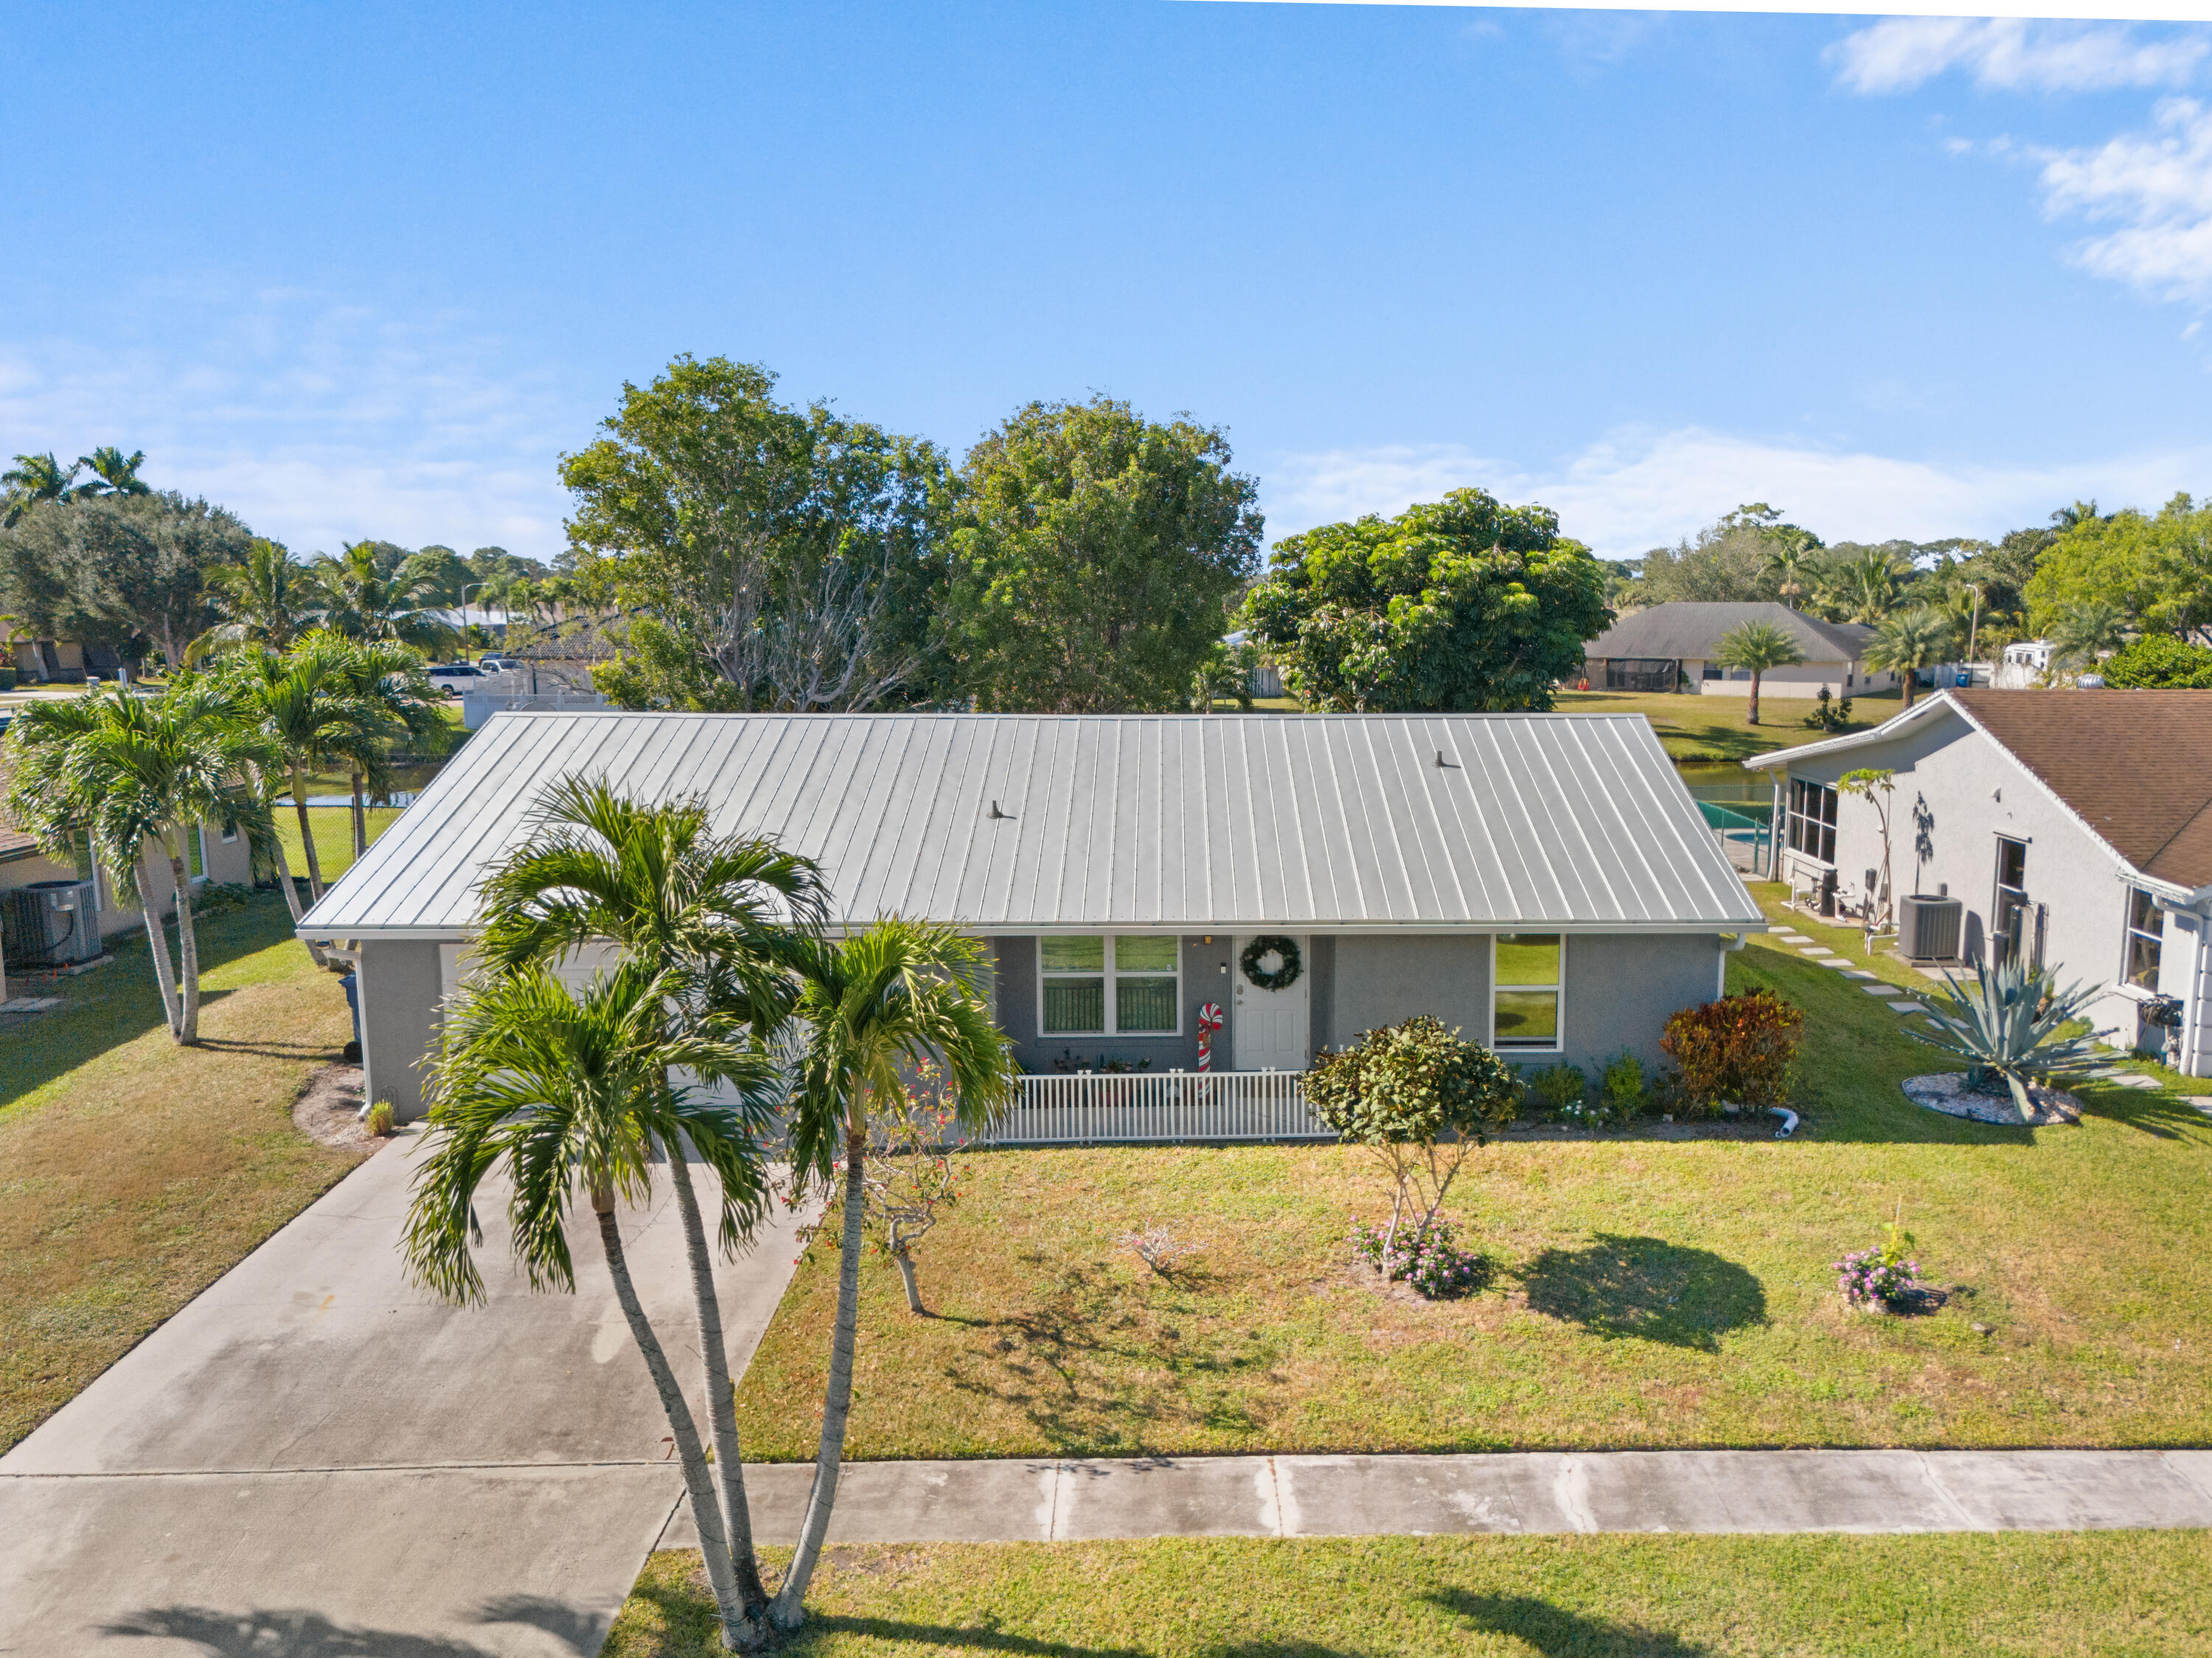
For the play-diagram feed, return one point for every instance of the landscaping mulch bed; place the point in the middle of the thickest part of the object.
(328, 1110)
(1946, 1091)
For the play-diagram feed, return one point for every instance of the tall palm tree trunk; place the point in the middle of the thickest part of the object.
(706, 1510)
(360, 820)
(837, 1406)
(721, 1398)
(306, 834)
(165, 975)
(1754, 696)
(188, 954)
(1912, 685)
(292, 897)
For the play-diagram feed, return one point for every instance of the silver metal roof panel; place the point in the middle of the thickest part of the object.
(1330, 822)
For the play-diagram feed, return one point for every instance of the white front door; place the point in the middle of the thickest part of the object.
(1269, 1027)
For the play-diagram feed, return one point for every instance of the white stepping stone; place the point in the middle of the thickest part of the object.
(1817, 950)
(1841, 962)
(2134, 1081)
(1906, 1007)
(1793, 938)
(1860, 973)
(1878, 989)
(2202, 1101)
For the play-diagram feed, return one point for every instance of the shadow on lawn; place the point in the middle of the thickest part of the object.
(120, 1003)
(1552, 1630)
(1646, 1288)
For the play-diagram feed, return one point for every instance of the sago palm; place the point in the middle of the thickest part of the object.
(1758, 645)
(720, 918)
(132, 775)
(1909, 641)
(2009, 1024)
(899, 993)
(572, 1095)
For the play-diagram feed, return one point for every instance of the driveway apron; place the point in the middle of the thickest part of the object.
(314, 1457)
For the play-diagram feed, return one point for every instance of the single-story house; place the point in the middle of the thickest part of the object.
(1671, 647)
(2073, 827)
(1542, 882)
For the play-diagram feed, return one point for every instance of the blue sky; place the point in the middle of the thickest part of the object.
(368, 270)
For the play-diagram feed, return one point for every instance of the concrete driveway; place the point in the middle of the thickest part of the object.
(314, 1458)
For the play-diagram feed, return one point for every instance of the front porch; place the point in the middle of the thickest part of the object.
(1161, 1108)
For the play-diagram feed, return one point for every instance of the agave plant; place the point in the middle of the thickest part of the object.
(2007, 1025)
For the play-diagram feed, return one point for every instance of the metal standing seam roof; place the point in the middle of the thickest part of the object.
(1337, 822)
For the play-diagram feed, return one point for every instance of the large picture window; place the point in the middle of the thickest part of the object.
(1525, 982)
(2146, 939)
(1126, 984)
(1812, 829)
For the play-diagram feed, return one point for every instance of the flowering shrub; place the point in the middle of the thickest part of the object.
(1887, 1276)
(1430, 1262)
(1740, 1048)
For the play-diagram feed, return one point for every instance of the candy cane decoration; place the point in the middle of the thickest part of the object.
(1210, 1019)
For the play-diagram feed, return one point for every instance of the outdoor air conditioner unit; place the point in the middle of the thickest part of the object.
(1928, 928)
(49, 924)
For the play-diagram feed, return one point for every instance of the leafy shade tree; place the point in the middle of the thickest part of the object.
(1095, 559)
(1759, 646)
(33, 479)
(896, 995)
(2155, 568)
(387, 684)
(1749, 553)
(137, 775)
(113, 473)
(360, 598)
(1463, 605)
(574, 1094)
(1423, 1101)
(266, 599)
(1910, 641)
(2160, 662)
(121, 569)
(769, 556)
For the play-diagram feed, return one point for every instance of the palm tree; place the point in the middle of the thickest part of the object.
(2080, 632)
(387, 681)
(1794, 558)
(113, 473)
(1864, 587)
(266, 601)
(361, 602)
(720, 917)
(137, 774)
(574, 1093)
(1758, 645)
(32, 479)
(1909, 641)
(899, 993)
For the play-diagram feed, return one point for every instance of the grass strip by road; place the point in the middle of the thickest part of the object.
(1650, 1292)
(2052, 1596)
(133, 1172)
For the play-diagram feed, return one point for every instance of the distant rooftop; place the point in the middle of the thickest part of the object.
(1689, 630)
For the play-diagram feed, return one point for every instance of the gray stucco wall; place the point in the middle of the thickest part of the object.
(399, 991)
(1621, 990)
(1380, 980)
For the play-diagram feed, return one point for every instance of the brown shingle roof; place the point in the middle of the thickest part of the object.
(13, 843)
(2137, 766)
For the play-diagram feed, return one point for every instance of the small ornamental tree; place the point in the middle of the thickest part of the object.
(1422, 1101)
(1740, 1049)
(907, 1174)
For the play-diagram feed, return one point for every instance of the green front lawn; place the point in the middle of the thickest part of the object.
(1651, 1291)
(2039, 1596)
(1712, 728)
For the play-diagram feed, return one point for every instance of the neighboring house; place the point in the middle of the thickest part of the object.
(2075, 828)
(1543, 883)
(1671, 647)
(57, 661)
(214, 854)
(2024, 666)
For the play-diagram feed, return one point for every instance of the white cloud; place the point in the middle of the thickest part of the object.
(317, 422)
(1639, 489)
(2158, 184)
(2008, 54)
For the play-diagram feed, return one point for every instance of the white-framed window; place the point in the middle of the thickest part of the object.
(229, 830)
(196, 852)
(1812, 827)
(1528, 982)
(1109, 984)
(2146, 940)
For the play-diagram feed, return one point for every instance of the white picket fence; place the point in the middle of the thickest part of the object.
(1163, 1108)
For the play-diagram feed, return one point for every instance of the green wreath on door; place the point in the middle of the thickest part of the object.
(1272, 944)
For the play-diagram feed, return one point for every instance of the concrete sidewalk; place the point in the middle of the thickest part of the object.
(312, 1457)
(1529, 1492)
